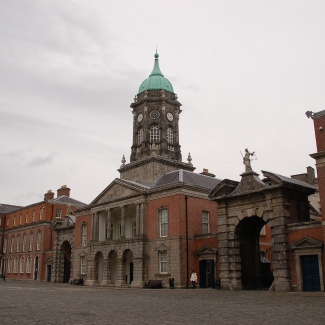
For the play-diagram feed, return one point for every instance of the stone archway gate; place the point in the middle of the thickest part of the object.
(279, 201)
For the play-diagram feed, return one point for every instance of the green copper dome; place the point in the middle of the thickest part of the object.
(156, 80)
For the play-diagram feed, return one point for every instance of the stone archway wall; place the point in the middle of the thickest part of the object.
(62, 235)
(274, 211)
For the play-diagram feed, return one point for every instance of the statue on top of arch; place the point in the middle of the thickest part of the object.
(247, 160)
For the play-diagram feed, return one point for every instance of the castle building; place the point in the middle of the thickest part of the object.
(27, 236)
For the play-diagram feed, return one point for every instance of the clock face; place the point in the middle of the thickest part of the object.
(140, 117)
(154, 115)
(170, 116)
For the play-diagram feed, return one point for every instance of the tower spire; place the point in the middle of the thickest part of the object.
(156, 70)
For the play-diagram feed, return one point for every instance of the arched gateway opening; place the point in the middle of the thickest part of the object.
(112, 267)
(255, 267)
(65, 261)
(99, 267)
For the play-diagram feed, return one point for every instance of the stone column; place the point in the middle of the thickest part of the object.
(137, 219)
(138, 273)
(109, 223)
(280, 251)
(94, 226)
(120, 273)
(105, 272)
(123, 221)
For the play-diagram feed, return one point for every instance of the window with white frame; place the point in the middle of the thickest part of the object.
(12, 244)
(24, 243)
(20, 219)
(140, 135)
(16, 265)
(8, 222)
(58, 213)
(169, 135)
(22, 264)
(18, 243)
(163, 262)
(163, 222)
(10, 265)
(5, 243)
(38, 242)
(205, 222)
(29, 264)
(41, 214)
(33, 216)
(26, 217)
(31, 241)
(134, 229)
(84, 234)
(83, 264)
(14, 221)
(154, 134)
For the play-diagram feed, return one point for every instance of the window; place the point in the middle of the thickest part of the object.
(33, 217)
(5, 243)
(10, 265)
(163, 222)
(154, 133)
(8, 222)
(29, 264)
(82, 264)
(24, 243)
(12, 244)
(58, 213)
(163, 262)
(16, 265)
(22, 265)
(41, 214)
(38, 243)
(84, 234)
(205, 222)
(26, 217)
(140, 136)
(169, 135)
(18, 244)
(134, 229)
(14, 221)
(31, 241)
(20, 219)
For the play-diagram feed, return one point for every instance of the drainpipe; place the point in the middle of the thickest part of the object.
(186, 216)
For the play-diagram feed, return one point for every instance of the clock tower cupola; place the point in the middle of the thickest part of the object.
(155, 118)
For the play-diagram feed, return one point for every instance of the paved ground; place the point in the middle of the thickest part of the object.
(44, 303)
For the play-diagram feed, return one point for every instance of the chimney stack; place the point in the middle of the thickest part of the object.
(206, 173)
(49, 195)
(64, 190)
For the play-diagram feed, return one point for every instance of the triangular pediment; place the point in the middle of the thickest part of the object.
(118, 190)
(207, 250)
(306, 242)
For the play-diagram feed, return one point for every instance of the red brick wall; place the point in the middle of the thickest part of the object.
(77, 232)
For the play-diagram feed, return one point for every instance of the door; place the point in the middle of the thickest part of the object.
(36, 268)
(203, 271)
(49, 269)
(207, 279)
(131, 272)
(310, 273)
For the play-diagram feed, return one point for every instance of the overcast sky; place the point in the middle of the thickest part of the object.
(245, 71)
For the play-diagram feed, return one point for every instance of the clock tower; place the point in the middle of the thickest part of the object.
(156, 111)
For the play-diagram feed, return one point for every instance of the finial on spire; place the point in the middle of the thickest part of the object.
(189, 159)
(123, 161)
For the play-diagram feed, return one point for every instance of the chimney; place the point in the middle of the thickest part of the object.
(64, 190)
(49, 195)
(206, 173)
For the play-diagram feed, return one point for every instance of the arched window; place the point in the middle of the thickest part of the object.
(84, 234)
(31, 241)
(39, 238)
(29, 264)
(154, 133)
(10, 265)
(140, 135)
(169, 135)
(24, 243)
(16, 265)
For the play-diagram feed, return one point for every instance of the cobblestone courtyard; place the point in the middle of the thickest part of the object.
(46, 303)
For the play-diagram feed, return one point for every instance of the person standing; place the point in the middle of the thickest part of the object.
(193, 279)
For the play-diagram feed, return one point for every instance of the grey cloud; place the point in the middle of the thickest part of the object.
(41, 161)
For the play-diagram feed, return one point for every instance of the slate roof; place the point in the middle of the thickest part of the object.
(292, 180)
(63, 199)
(7, 208)
(187, 177)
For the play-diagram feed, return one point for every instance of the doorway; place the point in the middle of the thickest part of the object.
(65, 257)
(310, 273)
(36, 268)
(207, 278)
(49, 270)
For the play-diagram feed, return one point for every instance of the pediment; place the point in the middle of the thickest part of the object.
(207, 250)
(306, 242)
(117, 190)
(225, 187)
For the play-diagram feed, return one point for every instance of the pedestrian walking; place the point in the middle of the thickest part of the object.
(193, 279)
